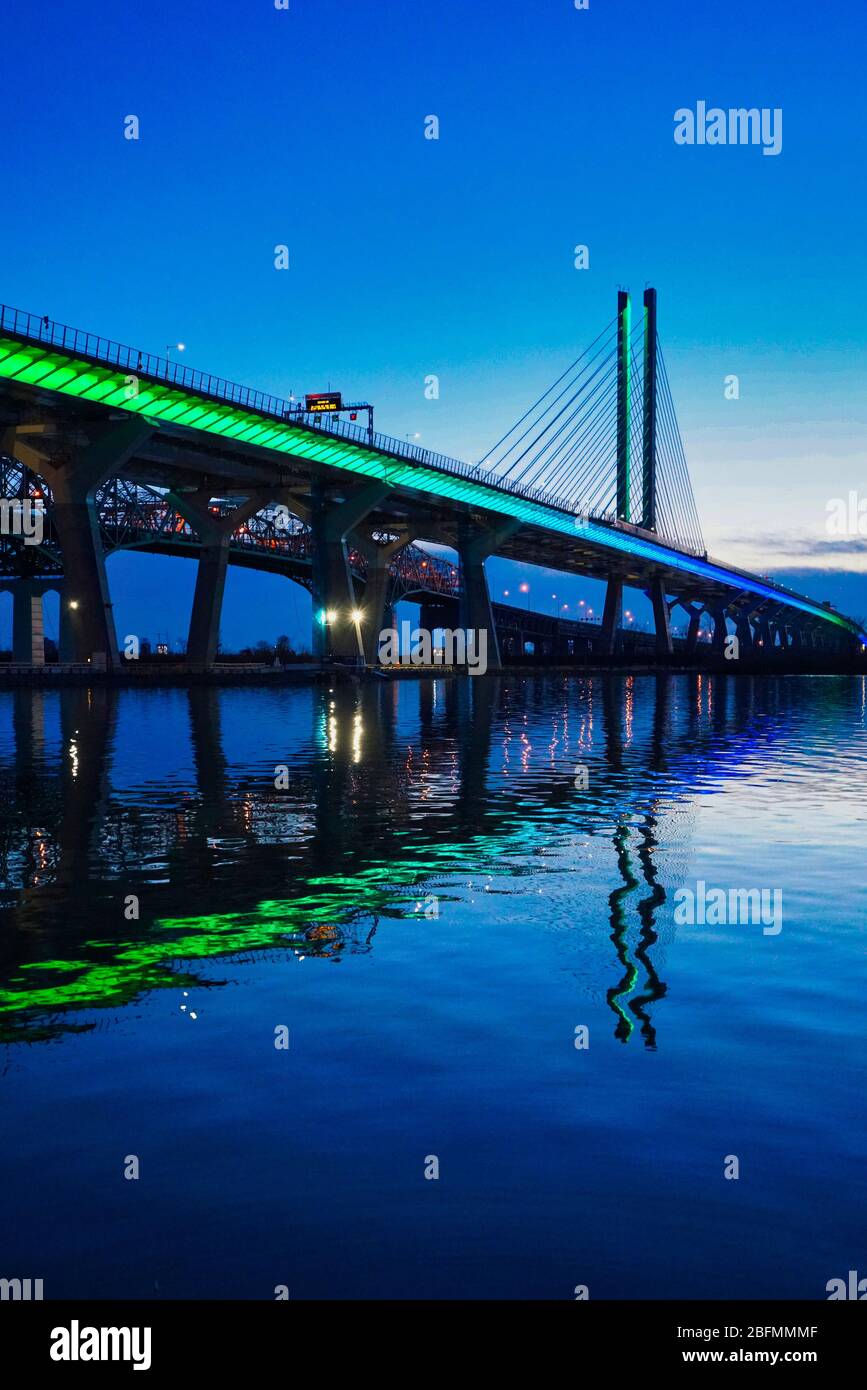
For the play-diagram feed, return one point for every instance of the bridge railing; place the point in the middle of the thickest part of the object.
(47, 332)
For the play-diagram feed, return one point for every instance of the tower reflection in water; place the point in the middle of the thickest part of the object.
(143, 834)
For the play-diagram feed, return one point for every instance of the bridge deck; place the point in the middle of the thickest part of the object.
(50, 363)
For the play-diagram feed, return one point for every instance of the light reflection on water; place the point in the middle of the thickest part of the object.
(182, 871)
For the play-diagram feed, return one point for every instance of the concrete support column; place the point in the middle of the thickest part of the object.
(28, 638)
(333, 601)
(693, 630)
(763, 628)
(664, 644)
(744, 633)
(336, 634)
(203, 637)
(377, 612)
(87, 620)
(477, 614)
(720, 631)
(88, 626)
(215, 533)
(476, 611)
(375, 608)
(611, 615)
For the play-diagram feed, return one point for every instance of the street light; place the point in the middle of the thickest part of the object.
(169, 346)
(356, 615)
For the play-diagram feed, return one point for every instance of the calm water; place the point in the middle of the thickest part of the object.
(431, 907)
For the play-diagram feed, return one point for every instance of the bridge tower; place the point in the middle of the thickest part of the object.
(648, 438)
(624, 320)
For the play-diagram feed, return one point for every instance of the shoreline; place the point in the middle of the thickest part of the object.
(54, 676)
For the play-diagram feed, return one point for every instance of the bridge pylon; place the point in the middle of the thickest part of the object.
(648, 437)
(624, 325)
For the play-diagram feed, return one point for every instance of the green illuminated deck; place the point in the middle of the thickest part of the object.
(51, 369)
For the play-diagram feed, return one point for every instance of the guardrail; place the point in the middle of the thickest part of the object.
(47, 332)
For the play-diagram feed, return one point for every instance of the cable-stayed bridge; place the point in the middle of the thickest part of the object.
(124, 448)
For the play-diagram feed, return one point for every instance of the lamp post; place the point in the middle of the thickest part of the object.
(170, 347)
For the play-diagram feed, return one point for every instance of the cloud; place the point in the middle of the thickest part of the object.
(794, 544)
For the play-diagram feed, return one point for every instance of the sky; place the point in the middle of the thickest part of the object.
(305, 127)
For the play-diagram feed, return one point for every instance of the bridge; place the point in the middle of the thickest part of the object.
(121, 448)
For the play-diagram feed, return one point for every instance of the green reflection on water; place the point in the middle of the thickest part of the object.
(141, 965)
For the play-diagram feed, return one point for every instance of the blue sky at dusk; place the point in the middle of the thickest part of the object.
(410, 257)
